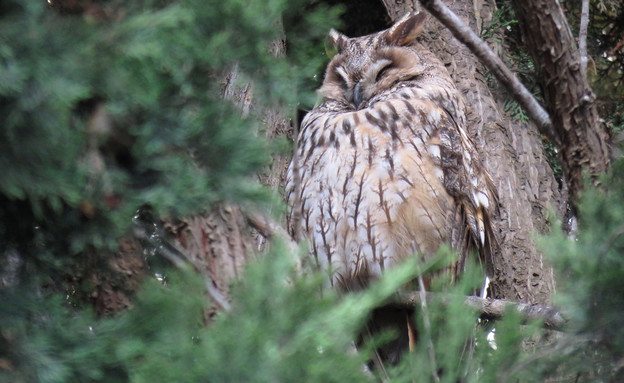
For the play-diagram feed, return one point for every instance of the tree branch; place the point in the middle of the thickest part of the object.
(270, 229)
(583, 35)
(466, 36)
(489, 308)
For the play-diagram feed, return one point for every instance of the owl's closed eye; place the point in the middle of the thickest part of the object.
(364, 69)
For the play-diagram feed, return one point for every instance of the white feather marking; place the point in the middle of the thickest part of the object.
(483, 199)
(344, 75)
(438, 173)
(480, 226)
(486, 285)
(474, 198)
(434, 151)
(434, 115)
(463, 134)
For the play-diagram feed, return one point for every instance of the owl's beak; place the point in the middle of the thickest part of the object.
(357, 95)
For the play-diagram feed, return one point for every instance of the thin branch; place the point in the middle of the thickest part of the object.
(479, 48)
(583, 35)
(422, 295)
(496, 308)
(269, 229)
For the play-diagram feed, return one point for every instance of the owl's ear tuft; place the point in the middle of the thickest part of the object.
(336, 42)
(406, 31)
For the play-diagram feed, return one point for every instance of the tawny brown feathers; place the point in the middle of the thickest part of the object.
(386, 167)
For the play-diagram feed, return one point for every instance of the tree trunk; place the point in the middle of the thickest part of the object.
(221, 241)
(511, 151)
(579, 133)
(219, 244)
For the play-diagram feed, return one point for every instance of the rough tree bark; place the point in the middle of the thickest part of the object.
(512, 152)
(222, 241)
(580, 134)
(218, 244)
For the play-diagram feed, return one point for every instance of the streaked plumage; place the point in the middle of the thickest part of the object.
(385, 164)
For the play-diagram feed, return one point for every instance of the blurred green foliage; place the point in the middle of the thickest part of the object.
(591, 281)
(108, 106)
(280, 329)
(495, 28)
(156, 68)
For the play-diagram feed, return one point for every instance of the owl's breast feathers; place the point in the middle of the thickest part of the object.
(397, 178)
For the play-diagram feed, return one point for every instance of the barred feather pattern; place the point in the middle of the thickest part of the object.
(385, 165)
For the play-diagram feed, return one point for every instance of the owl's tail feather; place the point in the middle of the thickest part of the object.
(475, 233)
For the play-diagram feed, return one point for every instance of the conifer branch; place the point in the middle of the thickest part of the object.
(479, 48)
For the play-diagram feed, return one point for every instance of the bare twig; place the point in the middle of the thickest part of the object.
(466, 36)
(422, 294)
(583, 35)
(269, 229)
(496, 308)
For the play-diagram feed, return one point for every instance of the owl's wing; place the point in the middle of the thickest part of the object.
(472, 189)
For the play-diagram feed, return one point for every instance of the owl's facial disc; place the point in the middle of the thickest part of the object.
(356, 75)
(355, 85)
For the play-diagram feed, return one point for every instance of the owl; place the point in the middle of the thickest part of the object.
(384, 168)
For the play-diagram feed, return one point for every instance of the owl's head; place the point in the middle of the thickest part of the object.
(366, 66)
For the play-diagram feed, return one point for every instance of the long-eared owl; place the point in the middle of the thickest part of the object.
(385, 167)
